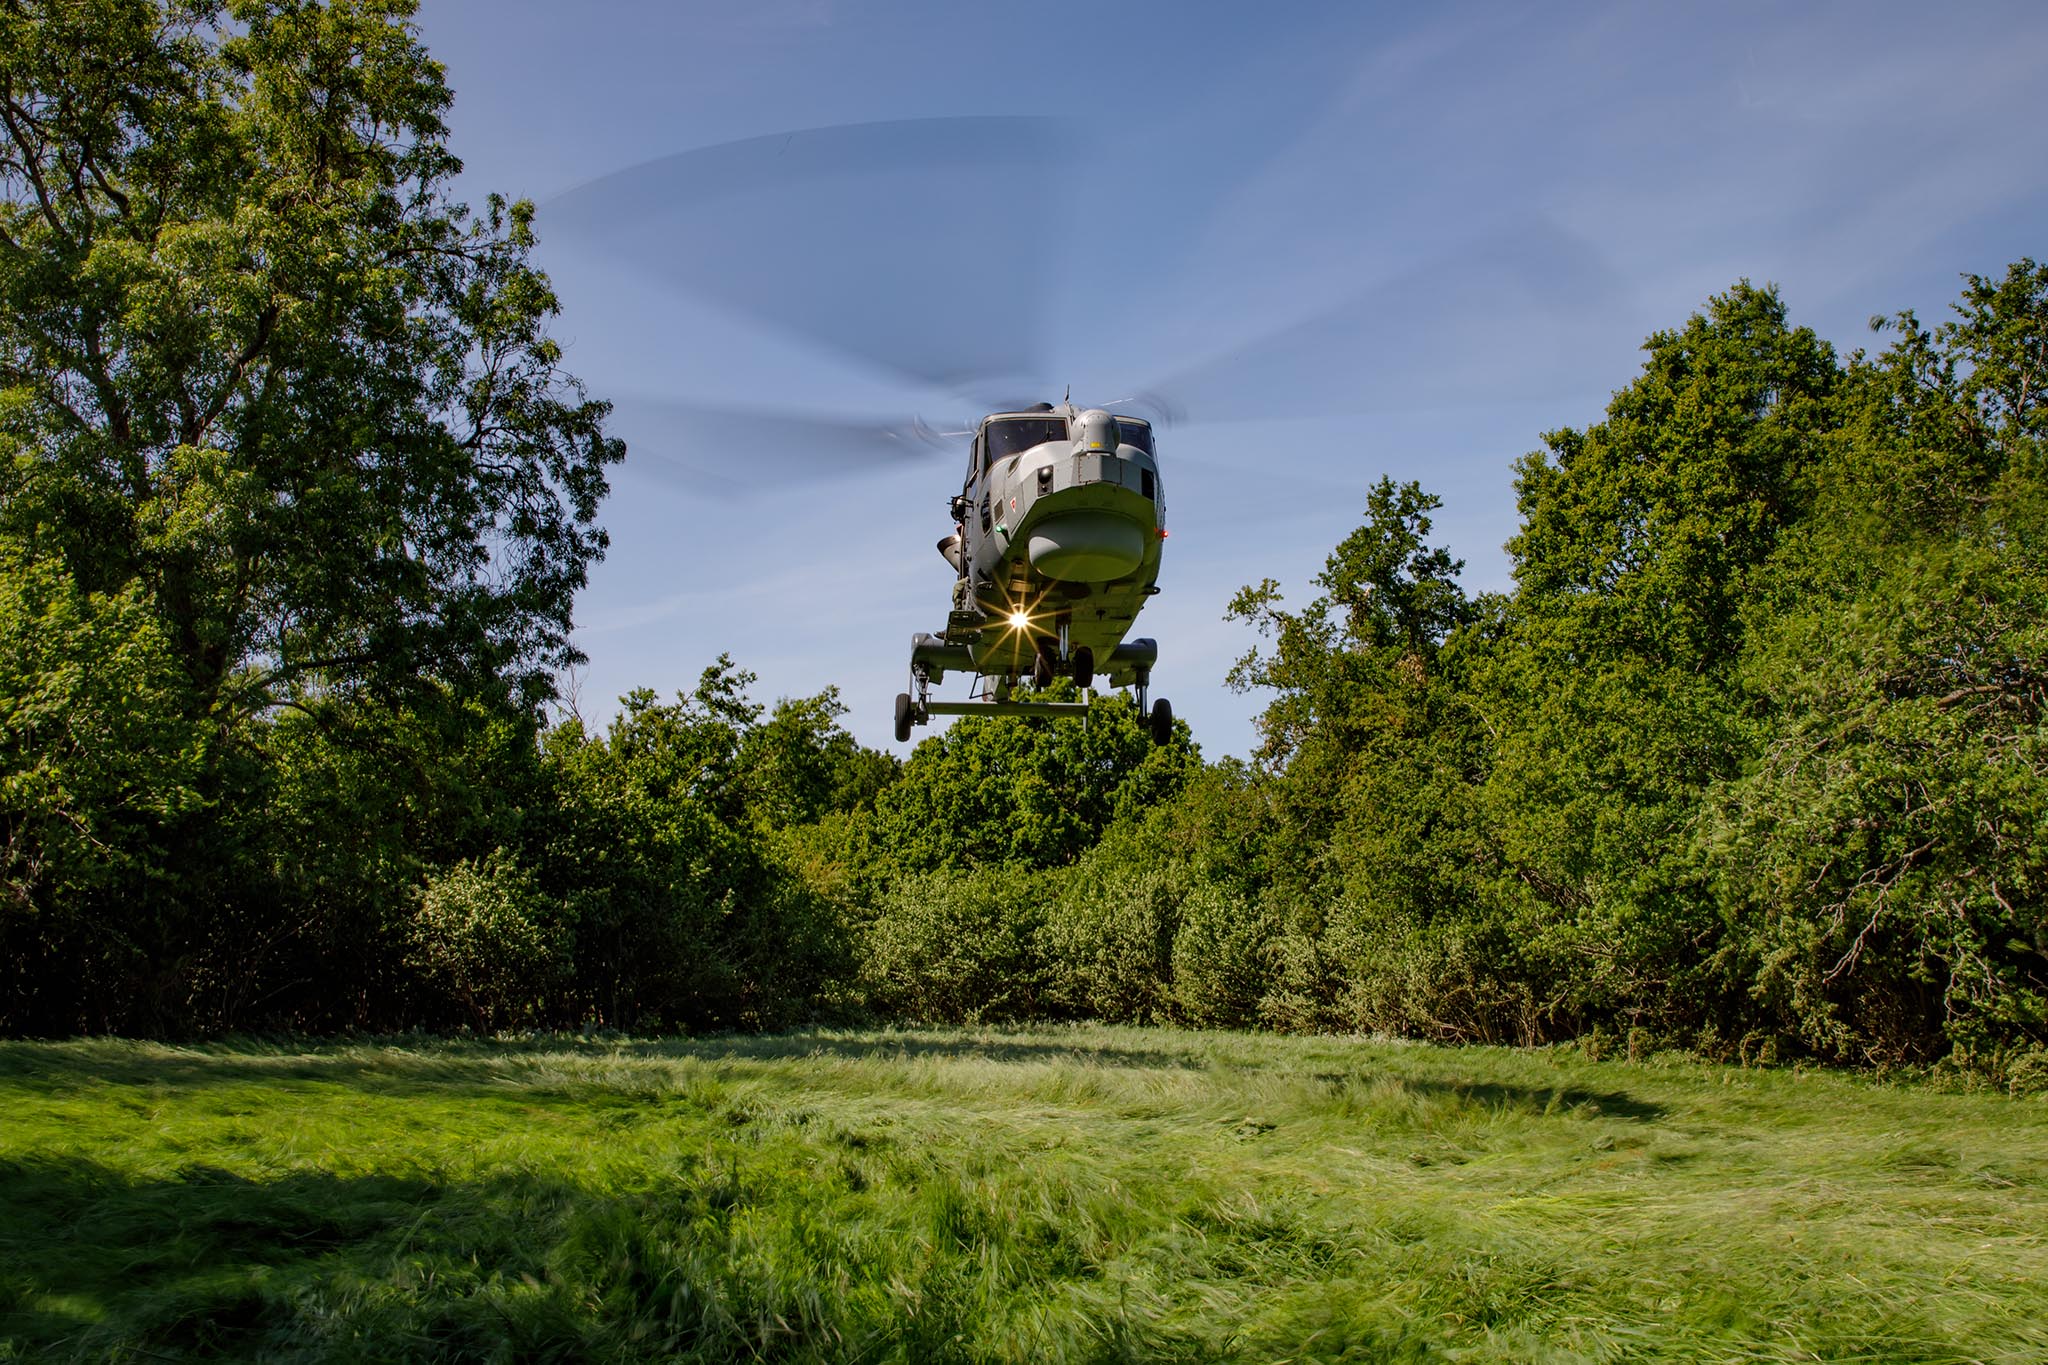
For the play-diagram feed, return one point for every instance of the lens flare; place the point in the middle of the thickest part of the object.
(1020, 620)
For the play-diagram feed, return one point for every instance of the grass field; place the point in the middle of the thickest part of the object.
(1083, 1195)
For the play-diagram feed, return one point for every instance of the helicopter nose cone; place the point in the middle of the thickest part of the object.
(1086, 546)
(1097, 430)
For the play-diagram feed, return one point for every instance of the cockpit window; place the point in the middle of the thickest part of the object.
(1012, 435)
(1132, 432)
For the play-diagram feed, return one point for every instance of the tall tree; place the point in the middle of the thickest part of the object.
(1364, 738)
(257, 363)
(1644, 537)
(1883, 861)
(280, 428)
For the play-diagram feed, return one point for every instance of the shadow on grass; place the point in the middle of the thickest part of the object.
(90, 1256)
(429, 1068)
(98, 1264)
(1526, 1099)
(1015, 1049)
(515, 1069)
(491, 1068)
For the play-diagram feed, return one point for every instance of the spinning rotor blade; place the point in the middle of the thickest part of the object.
(1528, 302)
(923, 248)
(1159, 409)
(917, 246)
(937, 439)
(732, 451)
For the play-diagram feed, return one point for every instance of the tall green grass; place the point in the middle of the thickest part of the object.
(1066, 1195)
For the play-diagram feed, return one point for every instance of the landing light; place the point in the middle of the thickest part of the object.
(1020, 620)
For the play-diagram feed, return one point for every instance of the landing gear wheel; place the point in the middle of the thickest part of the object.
(1162, 721)
(903, 717)
(1042, 667)
(1084, 666)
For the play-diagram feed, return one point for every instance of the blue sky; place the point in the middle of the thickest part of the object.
(1347, 239)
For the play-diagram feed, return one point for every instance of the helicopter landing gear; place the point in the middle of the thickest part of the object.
(1160, 717)
(934, 656)
(1051, 660)
(1162, 721)
(912, 706)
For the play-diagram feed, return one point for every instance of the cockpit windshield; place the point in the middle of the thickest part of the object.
(1011, 435)
(1132, 432)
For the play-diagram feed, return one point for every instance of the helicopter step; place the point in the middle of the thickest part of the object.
(933, 656)
(1005, 708)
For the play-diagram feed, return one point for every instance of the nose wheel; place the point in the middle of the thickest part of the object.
(1050, 660)
(1043, 665)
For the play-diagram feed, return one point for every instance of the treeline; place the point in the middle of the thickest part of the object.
(295, 500)
(1749, 761)
(1751, 756)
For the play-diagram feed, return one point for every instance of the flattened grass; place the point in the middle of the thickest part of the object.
(1087, 1194)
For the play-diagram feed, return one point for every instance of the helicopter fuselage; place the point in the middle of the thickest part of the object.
(1058, 544)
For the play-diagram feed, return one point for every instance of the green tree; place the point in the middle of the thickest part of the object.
(277, 410)
(957, 946)
(89, 761)
(357, 806)
(95, 761)
(1882, 861)
(800, 765)
(1361, 720)
(1023, 790)
(1618, 686)
(264, 368)
(484, 932)
(1376, 745)
(655, 841)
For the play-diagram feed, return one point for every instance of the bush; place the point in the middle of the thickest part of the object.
(956, 948)
(1457, 979)
(1108, 946)
(485, 933)
(1222, 958)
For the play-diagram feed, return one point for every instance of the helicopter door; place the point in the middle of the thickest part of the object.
(968, 489)
(977, 477)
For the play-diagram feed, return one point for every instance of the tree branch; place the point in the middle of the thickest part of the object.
(11, 114)
(1984, 689)
(266, 322)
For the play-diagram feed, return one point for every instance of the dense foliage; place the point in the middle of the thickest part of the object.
(1751, 756)
(295, 499)
(284, 447)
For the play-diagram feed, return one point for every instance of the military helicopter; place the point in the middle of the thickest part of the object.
(1056, 542)
(926, 253)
